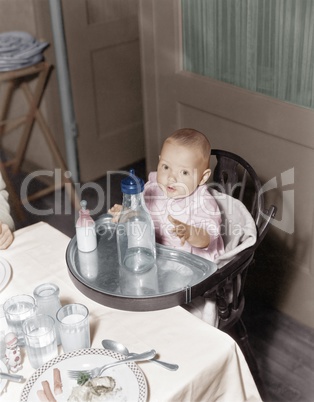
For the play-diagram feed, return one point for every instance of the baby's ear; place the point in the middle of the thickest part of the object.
(205, 177)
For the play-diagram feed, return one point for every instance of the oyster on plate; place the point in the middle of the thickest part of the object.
(92, 390)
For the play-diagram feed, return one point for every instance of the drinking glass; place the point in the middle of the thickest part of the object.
(73, 325)
(48, 302)
(16, 310)
(2, 332)
(40, 339)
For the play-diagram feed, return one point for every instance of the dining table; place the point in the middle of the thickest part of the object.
(211, 364)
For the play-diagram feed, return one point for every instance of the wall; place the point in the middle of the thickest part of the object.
(33, 16)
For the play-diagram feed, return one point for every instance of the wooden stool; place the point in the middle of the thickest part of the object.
(20, 78)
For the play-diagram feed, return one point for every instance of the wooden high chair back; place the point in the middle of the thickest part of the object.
(236, 177)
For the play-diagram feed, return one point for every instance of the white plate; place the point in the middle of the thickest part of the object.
(3, 382)
(5, 273)
(130, 381)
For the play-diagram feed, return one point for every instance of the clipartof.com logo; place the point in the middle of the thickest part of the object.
(284, 191)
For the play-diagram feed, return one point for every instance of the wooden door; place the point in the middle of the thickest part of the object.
(104, 62)
(274, 136)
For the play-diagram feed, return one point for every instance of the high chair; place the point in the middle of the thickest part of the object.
(236, 178)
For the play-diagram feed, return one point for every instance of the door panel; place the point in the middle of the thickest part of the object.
(274, 136)
(104, 61)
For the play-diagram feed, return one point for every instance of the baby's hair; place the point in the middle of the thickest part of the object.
(192, 138)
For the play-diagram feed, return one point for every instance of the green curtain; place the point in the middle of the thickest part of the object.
(264, 46)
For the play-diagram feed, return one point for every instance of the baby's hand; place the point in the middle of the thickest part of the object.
(181, 229)
(115, 211)
(6, 236)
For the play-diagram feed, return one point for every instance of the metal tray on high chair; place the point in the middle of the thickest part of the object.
(176, 279)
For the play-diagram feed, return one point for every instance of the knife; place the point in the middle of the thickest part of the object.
(12, 377)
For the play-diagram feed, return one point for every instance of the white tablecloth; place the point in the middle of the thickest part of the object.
(212, 367)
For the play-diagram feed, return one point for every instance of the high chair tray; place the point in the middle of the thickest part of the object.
(176, 278)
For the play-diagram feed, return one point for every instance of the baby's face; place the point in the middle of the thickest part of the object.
(180, 170)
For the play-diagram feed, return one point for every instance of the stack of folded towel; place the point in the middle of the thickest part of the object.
(19, 50)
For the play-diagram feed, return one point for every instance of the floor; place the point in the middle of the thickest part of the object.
(284, 349)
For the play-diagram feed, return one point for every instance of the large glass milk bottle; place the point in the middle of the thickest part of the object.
(135, 231)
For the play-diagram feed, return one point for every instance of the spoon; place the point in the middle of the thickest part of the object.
(118, 347)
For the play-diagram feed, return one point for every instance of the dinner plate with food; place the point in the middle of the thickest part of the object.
(51, 382)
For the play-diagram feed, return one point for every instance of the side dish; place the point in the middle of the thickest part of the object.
(45, 394)
(94, 390)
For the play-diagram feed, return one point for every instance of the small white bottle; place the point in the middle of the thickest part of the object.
(85, 230)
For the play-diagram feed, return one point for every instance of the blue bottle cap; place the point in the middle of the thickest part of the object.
(132, 184)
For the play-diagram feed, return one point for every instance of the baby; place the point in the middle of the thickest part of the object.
(185, 214)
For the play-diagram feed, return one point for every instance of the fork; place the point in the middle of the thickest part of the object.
(95, 372)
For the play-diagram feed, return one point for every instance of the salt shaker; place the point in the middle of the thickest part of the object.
(85, 230)
(48, 302)
(12, 353)
(135, 231)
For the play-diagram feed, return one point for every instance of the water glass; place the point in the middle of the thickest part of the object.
(40, 339)
(16, 310)
(48, 302)
(3, 325)
(73, 325)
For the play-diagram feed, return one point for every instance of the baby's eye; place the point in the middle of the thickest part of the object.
(165, 167)
(185, 172)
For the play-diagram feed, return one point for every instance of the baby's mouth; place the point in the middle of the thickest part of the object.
(171, 189)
